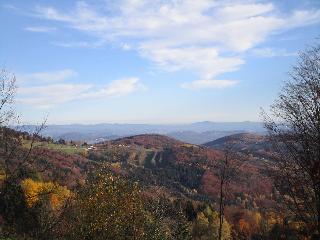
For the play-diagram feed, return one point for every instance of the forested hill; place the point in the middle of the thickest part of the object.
(146, 140)
(256, 145)
(184, 169)
(165, 169)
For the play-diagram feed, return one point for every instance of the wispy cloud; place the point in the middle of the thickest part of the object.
(206, 37)
(203, 60)
(126, 46)
(80, 44)
(50, 76)
(40, 29)
(116, 88)
(271, 52)
(208, 83)
(50, 89)
(47, 96)
(10, 7)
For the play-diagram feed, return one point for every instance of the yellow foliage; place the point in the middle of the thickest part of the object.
(59, 196)
(31, 189)
(116, 165)
(201, 218)
(206, 225)
(296, 225)
(35, 191)
(257, 218)
(273, 218)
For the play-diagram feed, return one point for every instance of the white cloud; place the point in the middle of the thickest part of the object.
(301, 18)
(270, 52)
(203, 60)
(206, 37)
(123, 87)
(40, 29)
(50, 76)
(47, 96)
(80, 44)
(239, 11)
(116, 88)
(126, 47)
(53, 90)
(209, 83)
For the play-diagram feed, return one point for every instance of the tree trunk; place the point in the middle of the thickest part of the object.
(318, 209)
(221, 209)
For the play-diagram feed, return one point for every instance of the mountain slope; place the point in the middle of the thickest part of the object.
(182, 169)
(174, 168)
(254, 144)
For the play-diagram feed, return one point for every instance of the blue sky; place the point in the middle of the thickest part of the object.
(151, 61)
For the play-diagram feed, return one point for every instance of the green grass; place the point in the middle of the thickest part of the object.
(188, 145)
(69, 149)
(66, 148)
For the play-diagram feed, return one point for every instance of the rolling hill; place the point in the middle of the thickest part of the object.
(184, 175)
(256, 145)
(180, 169)
(184, 170)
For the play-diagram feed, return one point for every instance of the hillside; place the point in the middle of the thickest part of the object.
(185, 170)
(48, 161)
(146, 140)
(165, 169)
(248, 143)
(201, 137)
(180, 169)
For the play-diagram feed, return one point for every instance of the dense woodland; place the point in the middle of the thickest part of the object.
(150, 186)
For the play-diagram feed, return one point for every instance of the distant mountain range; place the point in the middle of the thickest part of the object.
(196, 133)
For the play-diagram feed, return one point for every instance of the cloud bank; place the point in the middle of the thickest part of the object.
(208, 38)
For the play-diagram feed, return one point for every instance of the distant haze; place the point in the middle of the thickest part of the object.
(197, 133)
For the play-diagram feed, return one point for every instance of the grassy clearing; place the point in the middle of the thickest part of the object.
(69, 149)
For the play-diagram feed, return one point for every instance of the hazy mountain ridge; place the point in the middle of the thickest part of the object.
(256, 145)
(197, 133)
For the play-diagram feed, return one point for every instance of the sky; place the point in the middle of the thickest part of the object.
(136, 61)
